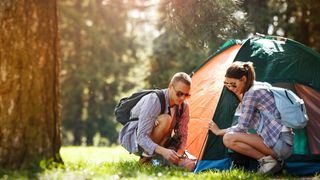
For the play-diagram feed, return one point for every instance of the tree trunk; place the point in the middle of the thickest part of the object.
(29, 85)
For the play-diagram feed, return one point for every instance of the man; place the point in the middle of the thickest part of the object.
(148, 136)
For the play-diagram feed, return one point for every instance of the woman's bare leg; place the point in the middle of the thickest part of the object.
(248, 144)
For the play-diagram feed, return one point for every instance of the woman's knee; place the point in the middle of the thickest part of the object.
(228, 139)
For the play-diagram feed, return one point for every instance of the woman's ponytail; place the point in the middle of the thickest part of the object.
(239, 69)
(251, 75)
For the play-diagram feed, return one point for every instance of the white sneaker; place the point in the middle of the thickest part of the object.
(267, 164)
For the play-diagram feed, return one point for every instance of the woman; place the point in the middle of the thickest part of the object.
(273, 142)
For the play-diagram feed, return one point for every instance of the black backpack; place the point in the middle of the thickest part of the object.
(122, 110)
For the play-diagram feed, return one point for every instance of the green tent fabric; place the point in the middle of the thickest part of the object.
(282, 61)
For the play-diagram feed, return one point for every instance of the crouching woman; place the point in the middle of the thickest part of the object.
(273, 142)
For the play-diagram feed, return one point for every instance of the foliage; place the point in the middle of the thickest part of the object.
(206, 24)
(171, 55)
(189, 31)
(210, 23)
(107, 50)
(116, 163)
(289, 18)
(97, 55)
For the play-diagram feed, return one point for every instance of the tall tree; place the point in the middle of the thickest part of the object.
(297, 20)
(170, 55)
(258, 15)
(187, 36)
(289, 18)
(206, 24)
(189, 31)
(29, 84)
(97, 55)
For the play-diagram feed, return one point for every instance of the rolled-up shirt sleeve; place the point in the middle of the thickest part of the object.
(247, 112)
(150, 109)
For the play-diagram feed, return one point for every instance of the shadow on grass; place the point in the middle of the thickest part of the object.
(131, 169)
(31, 172)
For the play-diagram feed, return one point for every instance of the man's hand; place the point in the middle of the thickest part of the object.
(168, 154)
(171, 156)
(156, 123)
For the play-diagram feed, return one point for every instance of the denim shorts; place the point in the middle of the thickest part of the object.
(284, 146)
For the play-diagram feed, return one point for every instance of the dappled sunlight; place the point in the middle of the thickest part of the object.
(95, 155)
(64, 66)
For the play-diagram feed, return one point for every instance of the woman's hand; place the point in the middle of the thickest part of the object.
(214, 128)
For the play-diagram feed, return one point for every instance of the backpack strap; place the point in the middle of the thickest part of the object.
(162, 99)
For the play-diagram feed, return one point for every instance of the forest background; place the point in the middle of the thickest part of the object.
(64, 65)
(111, 48)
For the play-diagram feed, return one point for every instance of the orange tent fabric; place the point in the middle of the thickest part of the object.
(208, 81)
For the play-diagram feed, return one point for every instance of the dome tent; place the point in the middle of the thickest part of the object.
(279, 61)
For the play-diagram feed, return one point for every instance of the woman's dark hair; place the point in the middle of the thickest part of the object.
(239, 69)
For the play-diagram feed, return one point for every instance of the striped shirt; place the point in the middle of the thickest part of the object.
(257, 100)
(137, 133)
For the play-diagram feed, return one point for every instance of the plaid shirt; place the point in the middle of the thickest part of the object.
(137, 133)
(254, 101)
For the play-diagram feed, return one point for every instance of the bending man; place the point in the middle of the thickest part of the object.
(156, 133)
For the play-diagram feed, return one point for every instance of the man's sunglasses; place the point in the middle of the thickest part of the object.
(180, 94)
(231, 84)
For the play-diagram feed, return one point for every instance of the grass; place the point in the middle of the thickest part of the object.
(116, 163)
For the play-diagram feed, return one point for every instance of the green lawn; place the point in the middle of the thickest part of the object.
(95, 155)
(116, 163)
